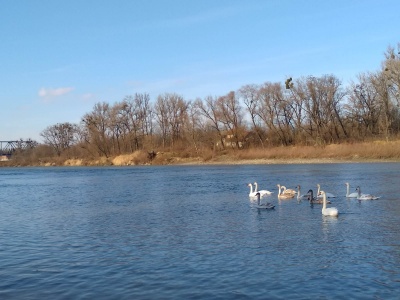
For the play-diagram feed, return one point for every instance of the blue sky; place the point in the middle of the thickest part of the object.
(59, 58)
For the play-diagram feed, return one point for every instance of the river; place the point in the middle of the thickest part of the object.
(191, 232)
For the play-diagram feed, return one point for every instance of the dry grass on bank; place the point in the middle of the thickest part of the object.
(362, 151)
(368, 151)
(356, 152)
(132, 159)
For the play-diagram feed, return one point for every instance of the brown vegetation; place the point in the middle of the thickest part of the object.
(356, 152)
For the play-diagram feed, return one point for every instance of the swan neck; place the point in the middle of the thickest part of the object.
(323, 201)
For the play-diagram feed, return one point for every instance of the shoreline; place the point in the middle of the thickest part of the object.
(281, 161)
(127, 160)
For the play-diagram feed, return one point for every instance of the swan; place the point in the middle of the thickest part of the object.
(263, 205)
(283, 195)
(299, 195)
(330, 211)
(314, 200)
(288, 191)
(262, 192)
(361, 196)
(328, 195)
(348, 195)
(251, 194)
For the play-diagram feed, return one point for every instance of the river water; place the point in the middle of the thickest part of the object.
(191, 232)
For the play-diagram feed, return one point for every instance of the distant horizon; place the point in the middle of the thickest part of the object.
(60, 58)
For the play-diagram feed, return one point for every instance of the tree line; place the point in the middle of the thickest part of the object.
(304, 111)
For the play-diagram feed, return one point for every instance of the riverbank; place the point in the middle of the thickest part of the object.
(377, 151)
(126, 160)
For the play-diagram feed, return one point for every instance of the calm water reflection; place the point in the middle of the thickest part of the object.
(182, 232)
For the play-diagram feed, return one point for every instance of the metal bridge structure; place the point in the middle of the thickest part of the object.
(7, 148)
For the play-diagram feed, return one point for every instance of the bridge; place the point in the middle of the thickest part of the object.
(7, 148)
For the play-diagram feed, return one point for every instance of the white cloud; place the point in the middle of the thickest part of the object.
(51, 93)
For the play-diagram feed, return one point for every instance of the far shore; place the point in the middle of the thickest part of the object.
(198, 162)
(281, 161)
(373, 152)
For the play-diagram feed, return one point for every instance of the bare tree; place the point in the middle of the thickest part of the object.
(177, 116)
(171, 116)
(98, 128)
(231, 116)
(391, 73)
(60, 136)
(275, 111)
(364, 106)
(323, 107)
(251, 97)
(209, 109)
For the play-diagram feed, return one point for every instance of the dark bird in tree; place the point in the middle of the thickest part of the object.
(289, 83)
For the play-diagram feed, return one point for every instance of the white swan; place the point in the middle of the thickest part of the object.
(330, 211)
(328, 195)
(361, 196)
(263, 205)
(262, 192)
(283, 194)
(348, 195)
(251, 194)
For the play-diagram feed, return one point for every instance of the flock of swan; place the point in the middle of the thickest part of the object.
(321, 198)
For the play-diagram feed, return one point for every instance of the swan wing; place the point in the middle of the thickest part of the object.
(352, 195)
(331, 211)
(265, 192)
(367, 197)
(265, 206)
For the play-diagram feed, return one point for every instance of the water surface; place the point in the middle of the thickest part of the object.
(190, 232)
